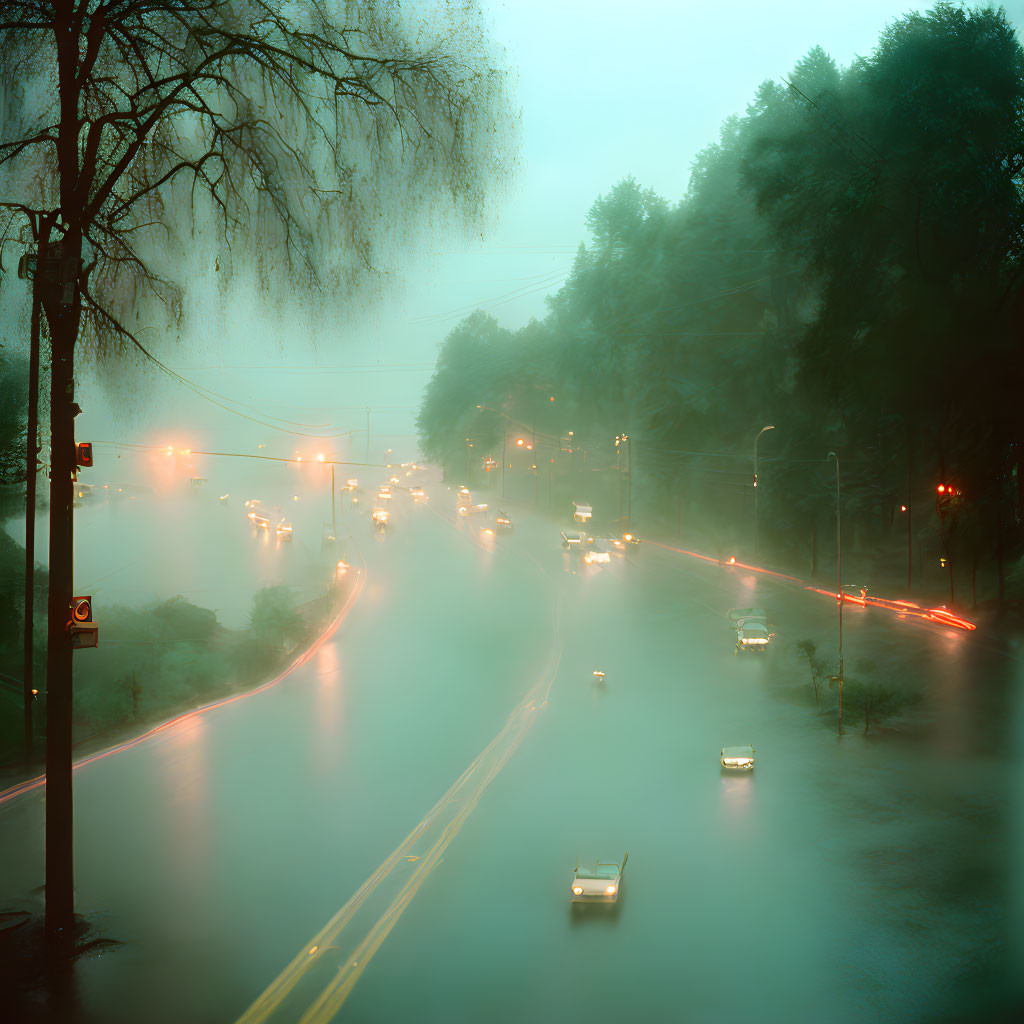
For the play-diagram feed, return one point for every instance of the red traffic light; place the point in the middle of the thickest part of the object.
(83, 453)
(941, 488)
(81, 609)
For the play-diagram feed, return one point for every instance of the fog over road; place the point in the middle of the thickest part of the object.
(860, 879)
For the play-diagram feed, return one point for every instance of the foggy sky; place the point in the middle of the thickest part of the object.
(606, 89)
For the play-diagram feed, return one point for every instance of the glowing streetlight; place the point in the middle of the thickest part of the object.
(320, 457)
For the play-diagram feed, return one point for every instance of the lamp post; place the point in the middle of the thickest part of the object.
(756, 439)
(839, 589)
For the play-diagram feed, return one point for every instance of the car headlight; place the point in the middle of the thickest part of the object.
(611, 890)
(577, 890)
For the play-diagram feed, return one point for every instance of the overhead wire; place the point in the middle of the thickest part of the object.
(556, 277)
(207, 394)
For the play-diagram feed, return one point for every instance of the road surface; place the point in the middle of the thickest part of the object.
(389, 834)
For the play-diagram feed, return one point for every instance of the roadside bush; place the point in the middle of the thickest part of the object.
(874, 702)
(818, 667)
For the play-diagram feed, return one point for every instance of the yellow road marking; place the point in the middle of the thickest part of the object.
(331, 999)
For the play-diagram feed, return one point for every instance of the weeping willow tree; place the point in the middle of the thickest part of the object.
(307, 136)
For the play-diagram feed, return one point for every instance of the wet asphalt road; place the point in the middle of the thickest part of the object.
(860, 879)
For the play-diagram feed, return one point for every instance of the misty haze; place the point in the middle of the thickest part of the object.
(511, 512)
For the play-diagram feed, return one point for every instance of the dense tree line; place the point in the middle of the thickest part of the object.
(847, 266)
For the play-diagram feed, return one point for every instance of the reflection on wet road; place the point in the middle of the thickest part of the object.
(862, 879)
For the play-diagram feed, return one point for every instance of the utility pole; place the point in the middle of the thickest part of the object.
(629, 484)
(618, 459)
(756, 439)
(59, 271)
(31, 471)
(503, 431)
(839, 589)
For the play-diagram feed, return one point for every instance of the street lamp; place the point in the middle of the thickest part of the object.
(839, 589)
(756, 439)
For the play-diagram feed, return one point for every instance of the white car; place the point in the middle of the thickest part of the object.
(741, 758)
(384, 494)
(752, 632)
(583, 513)
(601, 884)
(596, 556)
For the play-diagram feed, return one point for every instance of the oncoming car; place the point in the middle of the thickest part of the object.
(741, 758)
(573, 540)
(416, 493)
(380, 518)
(384, 494)
(752, 632)
(600, 884)
(596, 556)
(502, 521)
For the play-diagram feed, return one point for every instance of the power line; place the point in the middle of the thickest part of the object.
(245, 455)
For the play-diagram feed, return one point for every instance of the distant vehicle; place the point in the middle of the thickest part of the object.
(284, 530)
(752, 632)
(384, 494)
(416, 493)
(601, 884)
(463, 501)
(224, 497)
(583, 513)
(258, 515)
(395, 480)
(854, 593)
(502, 521)
(380, 517)
(595, 555)
(741, 758)
(630, 539)
(573, 540)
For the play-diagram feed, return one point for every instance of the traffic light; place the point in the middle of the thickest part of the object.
(83, 454)
(84, 632)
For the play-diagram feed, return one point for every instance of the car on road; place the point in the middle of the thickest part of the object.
(380, 517)
(752, 631)
(284, 530)
(595, 554)
(258, 515)
(416, 493)
(600, 884)
(502, 521)
(583, 513)
(384, 494)
(738, 758)
(574, 540)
